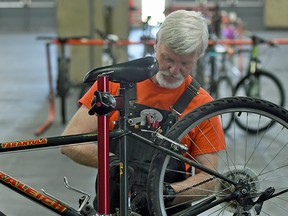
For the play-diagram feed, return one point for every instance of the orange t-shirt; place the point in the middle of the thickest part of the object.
(155, 96)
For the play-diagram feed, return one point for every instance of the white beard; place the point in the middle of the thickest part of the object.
(160, 77)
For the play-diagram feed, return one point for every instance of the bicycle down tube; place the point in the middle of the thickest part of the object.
(43, 198)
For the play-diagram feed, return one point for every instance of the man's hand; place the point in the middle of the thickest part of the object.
(114, 172)
(168, 194)
(114, 169)
(114, 181)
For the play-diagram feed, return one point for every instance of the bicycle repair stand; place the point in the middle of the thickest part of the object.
(102, 104)
(51, 115)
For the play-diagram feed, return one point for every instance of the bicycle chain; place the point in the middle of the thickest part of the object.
(196, 185)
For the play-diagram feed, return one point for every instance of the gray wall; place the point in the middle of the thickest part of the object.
(41, 14)
(252, 17)
(22, 16)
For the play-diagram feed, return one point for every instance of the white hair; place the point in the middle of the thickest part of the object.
(184, 32)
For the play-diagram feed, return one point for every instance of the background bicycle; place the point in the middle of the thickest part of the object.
(63, 81)
(257, 81)
(214, 71)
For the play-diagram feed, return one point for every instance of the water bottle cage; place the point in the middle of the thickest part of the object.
(102, 103)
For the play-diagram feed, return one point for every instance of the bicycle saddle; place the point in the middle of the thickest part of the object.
(132, 71)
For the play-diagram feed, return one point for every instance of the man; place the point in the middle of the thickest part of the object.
(180, 42)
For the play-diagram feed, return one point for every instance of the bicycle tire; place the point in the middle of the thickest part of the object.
(210, 72)
(224, 87)
(259, 160)
(198, 73)
(63, 85)
(243, 88)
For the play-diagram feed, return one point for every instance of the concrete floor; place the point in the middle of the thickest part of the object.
(24, 107)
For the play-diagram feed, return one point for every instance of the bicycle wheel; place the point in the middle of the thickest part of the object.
(263, 85)
(258, 162)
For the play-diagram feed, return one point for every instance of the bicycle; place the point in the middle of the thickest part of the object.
(258, 82)
(249, 178)
(63, 82)
(212, 69)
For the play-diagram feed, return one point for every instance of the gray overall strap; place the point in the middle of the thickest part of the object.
(191, 91)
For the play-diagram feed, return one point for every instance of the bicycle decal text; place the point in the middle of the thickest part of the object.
(16, 144)
(31, 192)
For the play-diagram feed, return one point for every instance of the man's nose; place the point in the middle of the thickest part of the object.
(174, 68)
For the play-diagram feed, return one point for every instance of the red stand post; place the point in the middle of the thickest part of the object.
(103, 154)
